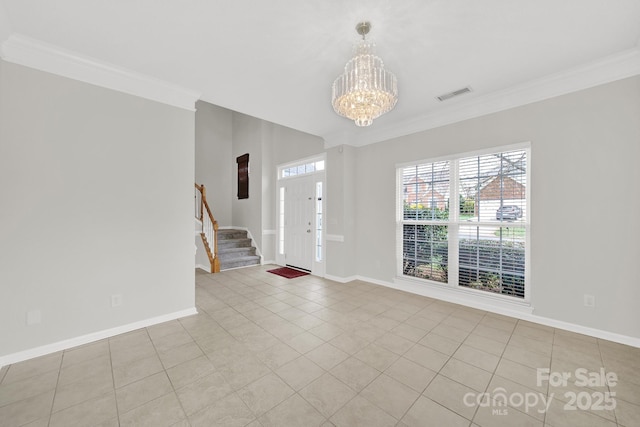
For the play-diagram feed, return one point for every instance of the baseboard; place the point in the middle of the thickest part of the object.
(89, 338)
(203, 267)
(340, 279)
(268, 262)
(522, 314)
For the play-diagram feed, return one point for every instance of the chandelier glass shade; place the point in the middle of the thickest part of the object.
(365, 90)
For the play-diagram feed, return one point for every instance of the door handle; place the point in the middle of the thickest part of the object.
(308, 231)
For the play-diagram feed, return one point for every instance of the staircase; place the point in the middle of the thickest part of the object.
(235, 250)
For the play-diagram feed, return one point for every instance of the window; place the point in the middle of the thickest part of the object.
(464, 221)
(319, 221)
(306, 168)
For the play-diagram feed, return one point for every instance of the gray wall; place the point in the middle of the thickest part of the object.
(585, 148)
(96, 199)
(214, 167)
(221, 136)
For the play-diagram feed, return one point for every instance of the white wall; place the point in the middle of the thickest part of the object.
(214, 166)
(96, 199)
(585, 144)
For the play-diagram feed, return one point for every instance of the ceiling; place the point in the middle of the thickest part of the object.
(276, 59)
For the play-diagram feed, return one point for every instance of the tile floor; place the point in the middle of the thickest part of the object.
(267, 351)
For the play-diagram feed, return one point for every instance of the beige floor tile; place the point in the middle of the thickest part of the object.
(527, 357)
(85, 352)
(531, 344)
(171, 340)
(33, 367)
(355, 373)
(536, 406)
(469, 375)
(422, 322)
(79, 371)
(450, 332)
(308, 321)
(495, 334)
(326, 331)
(478, 358)
(265, 393)
(558, 416)
(427, 357)
(627, 414)
(326, 356)
(28, 387)
(277, 355)
(533, 332)
(451, 395)
(136, 370)
(160, 412)
(293, 412)
(190, 371)
(504, 417)
(485, 344)
(426, 409)
(440, 343)
(395, 343)
(376, 357)
(521, 374)
(409, 332)
(90, 412)
(203, 392)
(299, 372)
(90, 387)
(27, 410)
(179, 354)
(410, 374)
(359, 412)
(243, 371)
(124, 354)
(304, 342)
(228, 412)
(390, 395)
(142, 391)
(327, 394)
(349, 343)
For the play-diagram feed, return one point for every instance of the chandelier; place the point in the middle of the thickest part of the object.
(365, 90)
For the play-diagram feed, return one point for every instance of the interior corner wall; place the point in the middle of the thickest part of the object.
(341, 221)
(585, 148)
(247, 138)
(214, 160)
(96, 194)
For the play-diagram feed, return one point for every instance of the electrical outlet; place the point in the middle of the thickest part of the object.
(116, 300)
(589, 301)
(34, 317)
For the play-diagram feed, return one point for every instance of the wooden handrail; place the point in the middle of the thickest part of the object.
(209, 230)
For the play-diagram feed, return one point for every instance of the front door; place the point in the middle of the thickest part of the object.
(299, 208)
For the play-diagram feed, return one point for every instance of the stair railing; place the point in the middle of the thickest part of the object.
(209, 232)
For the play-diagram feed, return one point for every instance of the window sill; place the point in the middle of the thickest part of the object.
(481, 300)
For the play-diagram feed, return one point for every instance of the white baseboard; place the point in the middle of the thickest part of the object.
(204, 267)
(92, 337)
(522, 313)
(340, 279)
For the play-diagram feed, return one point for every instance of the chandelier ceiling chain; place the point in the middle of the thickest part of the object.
(365, 90)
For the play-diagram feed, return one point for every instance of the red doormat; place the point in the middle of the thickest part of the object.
(287, 272)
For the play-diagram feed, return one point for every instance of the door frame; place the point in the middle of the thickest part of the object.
(317, 265)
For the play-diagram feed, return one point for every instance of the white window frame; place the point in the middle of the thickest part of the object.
(453, 223)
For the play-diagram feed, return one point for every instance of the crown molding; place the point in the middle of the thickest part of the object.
(32, 53)
(611, 68)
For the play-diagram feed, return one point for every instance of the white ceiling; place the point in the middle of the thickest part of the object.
(276, 59)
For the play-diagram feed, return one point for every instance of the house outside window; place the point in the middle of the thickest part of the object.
(463, 221)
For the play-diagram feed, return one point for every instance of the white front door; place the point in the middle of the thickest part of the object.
(299, 208)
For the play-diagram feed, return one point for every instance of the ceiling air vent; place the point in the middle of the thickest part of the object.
(454, 93)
